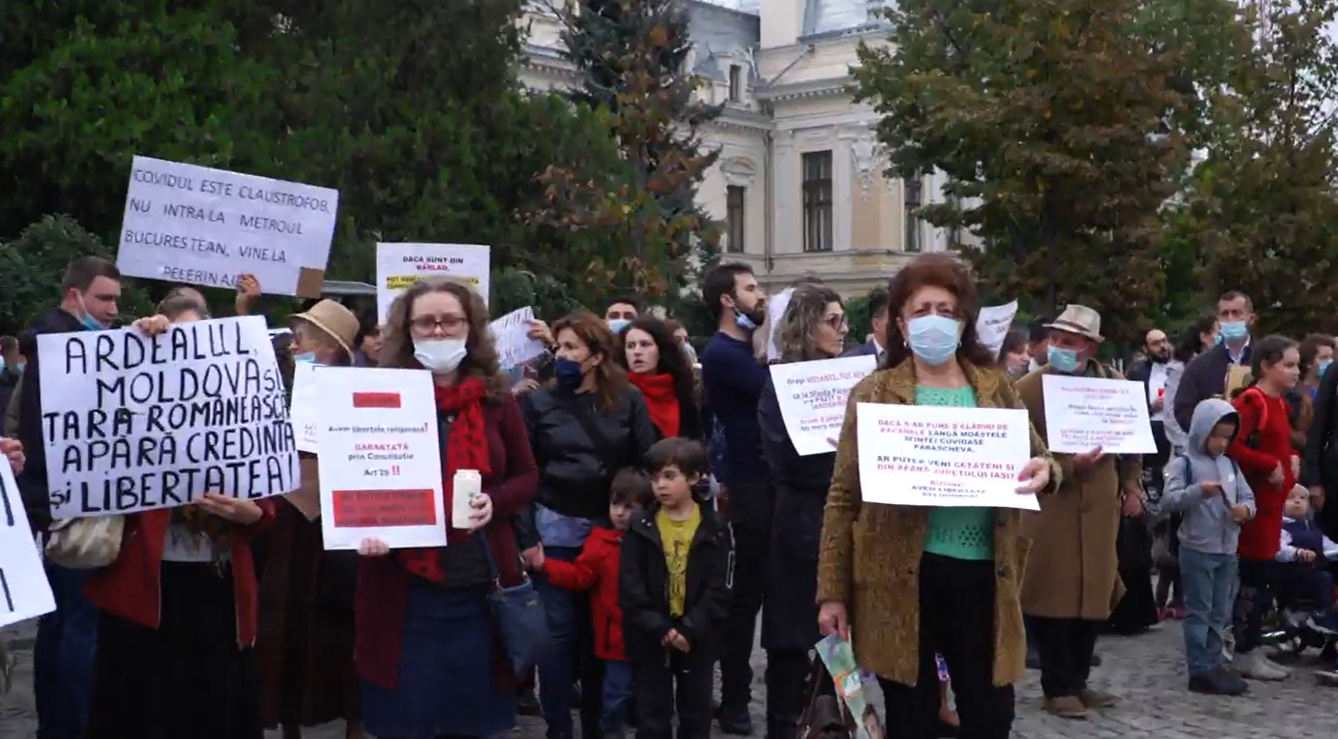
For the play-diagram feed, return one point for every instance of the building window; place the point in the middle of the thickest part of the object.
(734, 218)
(817, 184)
(914, 200)
(735, 83)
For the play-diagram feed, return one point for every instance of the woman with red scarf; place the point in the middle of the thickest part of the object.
(658, 367)
(428, 652)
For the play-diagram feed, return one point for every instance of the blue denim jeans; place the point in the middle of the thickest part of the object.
(557, 669)
(617, 695)
(1208, 582)
(67, 641)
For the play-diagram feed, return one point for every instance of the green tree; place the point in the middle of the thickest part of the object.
(1059, 124)
(632, 58)
(33, 265)
(1262, 206)
(411, 109)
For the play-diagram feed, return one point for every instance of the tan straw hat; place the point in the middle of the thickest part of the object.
(1079, 320)
(334, 319)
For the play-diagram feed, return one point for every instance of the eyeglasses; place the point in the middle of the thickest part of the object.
(424, 325)
(836, 322)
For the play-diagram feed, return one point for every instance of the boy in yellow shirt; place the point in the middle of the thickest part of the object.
(674, 590)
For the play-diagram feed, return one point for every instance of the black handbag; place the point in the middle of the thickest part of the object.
(826, 715)
(519, 615)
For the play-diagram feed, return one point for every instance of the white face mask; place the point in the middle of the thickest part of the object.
(439, 356)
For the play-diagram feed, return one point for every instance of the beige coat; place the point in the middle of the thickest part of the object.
(1073, 570)
(870, 555)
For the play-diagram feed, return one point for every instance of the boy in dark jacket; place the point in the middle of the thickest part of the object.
(674, 591)
(597, 567)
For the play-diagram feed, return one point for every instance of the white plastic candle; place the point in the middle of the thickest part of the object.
(468, 483)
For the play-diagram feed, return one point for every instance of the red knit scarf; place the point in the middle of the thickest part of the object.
(661, 400)
(466, 449)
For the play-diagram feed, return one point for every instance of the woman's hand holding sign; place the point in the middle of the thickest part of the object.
(153, 325)
(1034, 477)
(241, 512)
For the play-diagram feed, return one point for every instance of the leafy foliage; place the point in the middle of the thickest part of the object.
(631, 55)
(1262, 209)
(1059, 124)
(33, 265)
(411, 109)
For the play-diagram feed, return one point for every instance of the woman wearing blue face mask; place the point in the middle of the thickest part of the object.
(587, 424)
(930, 580)
(304, 654)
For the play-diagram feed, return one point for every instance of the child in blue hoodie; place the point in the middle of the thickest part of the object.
(1209, 491)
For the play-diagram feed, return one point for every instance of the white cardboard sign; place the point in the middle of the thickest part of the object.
(24, 590)
(400, 265)
(813, 398)
(203, 226)
(1083, 413)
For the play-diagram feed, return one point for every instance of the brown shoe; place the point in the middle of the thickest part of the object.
(1066, 706)
(1096, 699)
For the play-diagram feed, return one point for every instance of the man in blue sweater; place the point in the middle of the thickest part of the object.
(733, 380)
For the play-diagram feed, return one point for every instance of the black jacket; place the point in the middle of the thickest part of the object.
(643, 587)
(1320, 460)
(790, 620)
(574, 469)
(1203, 378)
(9, 379)
(33, 481)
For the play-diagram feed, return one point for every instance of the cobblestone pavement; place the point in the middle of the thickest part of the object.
(1145, 671)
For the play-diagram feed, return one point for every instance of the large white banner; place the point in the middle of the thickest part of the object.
(203, 226)
(813, 395)
(133, 422)
(24, 591)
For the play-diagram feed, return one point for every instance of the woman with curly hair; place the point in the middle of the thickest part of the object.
(813, 327)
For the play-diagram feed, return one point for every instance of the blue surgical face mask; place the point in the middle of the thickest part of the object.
(934, 339)
(1217, 339)
(18, 367)
(90, 323)
(1064, 360)
(690, 353)
(1324, 366)
(618, 324)
(1234, 331)
(568, 373)
(743, 321)
(305, 358)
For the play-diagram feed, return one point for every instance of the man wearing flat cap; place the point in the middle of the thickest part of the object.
(1072, 580)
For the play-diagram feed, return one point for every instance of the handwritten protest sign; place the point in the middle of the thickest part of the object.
(813, 398)
(133, 422)
(1083, 413)
(202, 226)
(943, 456)
(509, 335)
(24, 591)
(400, 265)
(380, 463)
(305, 405)
(992, 325)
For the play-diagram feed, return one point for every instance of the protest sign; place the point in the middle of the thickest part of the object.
(24, 591)
(400, 265)
(509, 335)
(134, 422)
(380, 462)
(776, 306)
(304, 407)
(943, 456)
(813, 398)
(202, 226)
(992, 325)
(1083, 413)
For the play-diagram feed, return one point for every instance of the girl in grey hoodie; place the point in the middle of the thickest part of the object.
(1207, 488)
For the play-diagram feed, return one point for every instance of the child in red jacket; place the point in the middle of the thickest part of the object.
(597, 567)
(1263, 450)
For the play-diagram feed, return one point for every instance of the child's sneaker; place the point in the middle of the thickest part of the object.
(1324, 623)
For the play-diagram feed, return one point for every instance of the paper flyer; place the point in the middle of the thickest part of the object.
(838, 656)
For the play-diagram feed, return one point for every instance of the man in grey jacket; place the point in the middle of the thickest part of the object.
(1209, 492)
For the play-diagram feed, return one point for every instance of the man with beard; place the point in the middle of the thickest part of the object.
(733, 381)
(1151, 371)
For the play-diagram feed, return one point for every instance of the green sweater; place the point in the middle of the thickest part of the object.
(957, 532)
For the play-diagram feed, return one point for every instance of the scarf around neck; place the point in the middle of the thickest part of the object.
(466, 449)
(661, 400)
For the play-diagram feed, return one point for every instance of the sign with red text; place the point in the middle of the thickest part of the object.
(202, 226)
(1083, 413)
(400, 265)
(24, 591)
(813, 398)
(380, 463)
(943, 456)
